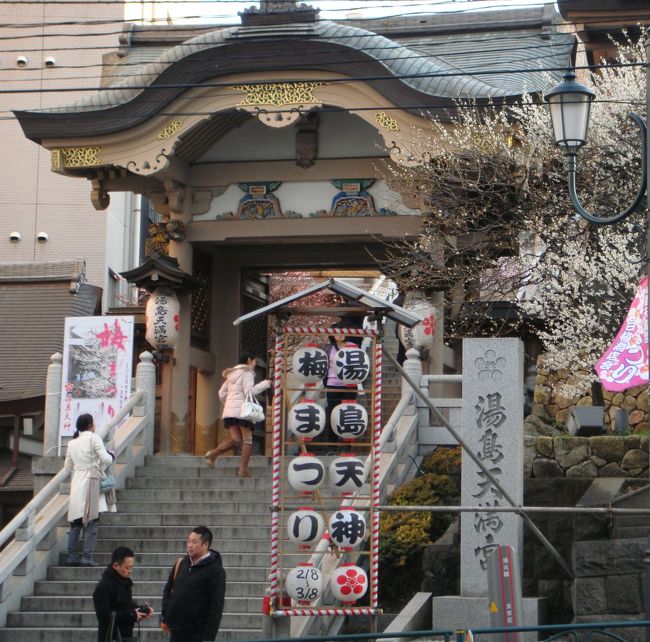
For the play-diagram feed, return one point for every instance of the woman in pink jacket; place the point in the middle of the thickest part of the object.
(240, 380)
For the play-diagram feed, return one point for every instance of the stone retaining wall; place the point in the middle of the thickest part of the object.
(587, 457)
(549, 403)
(609, 583)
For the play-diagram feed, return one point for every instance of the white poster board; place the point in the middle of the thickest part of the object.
(97, 369)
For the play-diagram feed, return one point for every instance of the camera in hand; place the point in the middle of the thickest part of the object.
(143, 609)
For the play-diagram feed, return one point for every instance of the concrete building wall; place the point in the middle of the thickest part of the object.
(32, 198)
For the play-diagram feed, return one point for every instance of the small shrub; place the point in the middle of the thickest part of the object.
(404, 535)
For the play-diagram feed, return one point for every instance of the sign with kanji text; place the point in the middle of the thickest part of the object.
(97, 369)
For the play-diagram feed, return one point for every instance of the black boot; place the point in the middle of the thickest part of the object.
(73, 539)
(90, 540)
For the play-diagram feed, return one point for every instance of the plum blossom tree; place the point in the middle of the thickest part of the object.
(497, 223)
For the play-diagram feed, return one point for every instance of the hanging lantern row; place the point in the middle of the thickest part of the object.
(307, 473)
(162, 318)
(346, 527)
(351, 365)
(306, 420)
(305, 583)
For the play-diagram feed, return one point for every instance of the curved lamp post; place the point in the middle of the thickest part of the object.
(570, 104)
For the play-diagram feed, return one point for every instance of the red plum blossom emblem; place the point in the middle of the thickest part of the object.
(352, 582)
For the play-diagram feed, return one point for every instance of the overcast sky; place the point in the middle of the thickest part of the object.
(209, 11)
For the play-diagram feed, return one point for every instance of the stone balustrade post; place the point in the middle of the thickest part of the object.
(145, 381)
(413, 368)
(52, 404)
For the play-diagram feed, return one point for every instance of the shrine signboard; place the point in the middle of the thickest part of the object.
(326, 453)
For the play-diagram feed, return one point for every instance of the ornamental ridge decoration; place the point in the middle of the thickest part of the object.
(169, 130)
(386, 121)
(278, 94)
(68, 157)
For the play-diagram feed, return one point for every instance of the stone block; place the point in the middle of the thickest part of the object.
(632, 442)
(598, 462)
(644, 443)
(633, 634)
(589, 596)
(454, 612)
(586, 469)
(624, 593)
(635, 458)
(570, 451)
(608, 557)
(609, 448)
(545, 446)
(612, 470)
(547, 468)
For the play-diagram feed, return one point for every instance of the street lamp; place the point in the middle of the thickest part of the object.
(570, 104)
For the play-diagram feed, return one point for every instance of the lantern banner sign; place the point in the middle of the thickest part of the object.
(97, 369)
(625, 363)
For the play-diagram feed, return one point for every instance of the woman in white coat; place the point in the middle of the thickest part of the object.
(86, 458)
(240, 380)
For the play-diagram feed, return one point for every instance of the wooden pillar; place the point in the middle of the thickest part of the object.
(176, 372)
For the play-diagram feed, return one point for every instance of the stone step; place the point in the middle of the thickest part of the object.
(142, 588)
(178, 494)
(219, 474)
(255, 514)
(191, 461)
(190, 508)
(199, 483)
(84, 602)
(89, 634)
(87, 619)
(167, 559)
(237, 569)
(260, 544)
(156, 534)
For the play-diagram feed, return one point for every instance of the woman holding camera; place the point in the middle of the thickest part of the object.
(86, 458)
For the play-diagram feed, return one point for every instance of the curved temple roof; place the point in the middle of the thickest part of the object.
(410, 78)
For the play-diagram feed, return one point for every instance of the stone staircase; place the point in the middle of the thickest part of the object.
(166, 498)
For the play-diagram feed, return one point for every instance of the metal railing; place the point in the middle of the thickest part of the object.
(572, 631)
(32, 541)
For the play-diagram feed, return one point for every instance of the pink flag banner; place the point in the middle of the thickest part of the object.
(625, 363)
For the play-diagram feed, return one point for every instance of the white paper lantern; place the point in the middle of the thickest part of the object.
(349, 583)
(305, 526)
(347, 528)
(309, 363)
(349, 420)
(421, 335)
(162, 318)
(346, 473)
(306, 419)
(351, 364)
(304, 583)
(306, 473)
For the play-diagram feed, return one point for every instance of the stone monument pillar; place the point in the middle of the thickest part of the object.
(493, 420)
(493, 430)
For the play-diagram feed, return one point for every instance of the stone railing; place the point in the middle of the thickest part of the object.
(33, 538)
(586, 457)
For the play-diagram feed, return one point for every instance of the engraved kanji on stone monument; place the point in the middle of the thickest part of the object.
(493, 403)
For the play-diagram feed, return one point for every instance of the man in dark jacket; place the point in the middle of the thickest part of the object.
(194, 594)
(113, 593)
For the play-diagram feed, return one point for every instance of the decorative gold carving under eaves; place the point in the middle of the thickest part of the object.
(278, 94)
(266, 101)
(386, 121)
(169, 130)
(74, 157)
